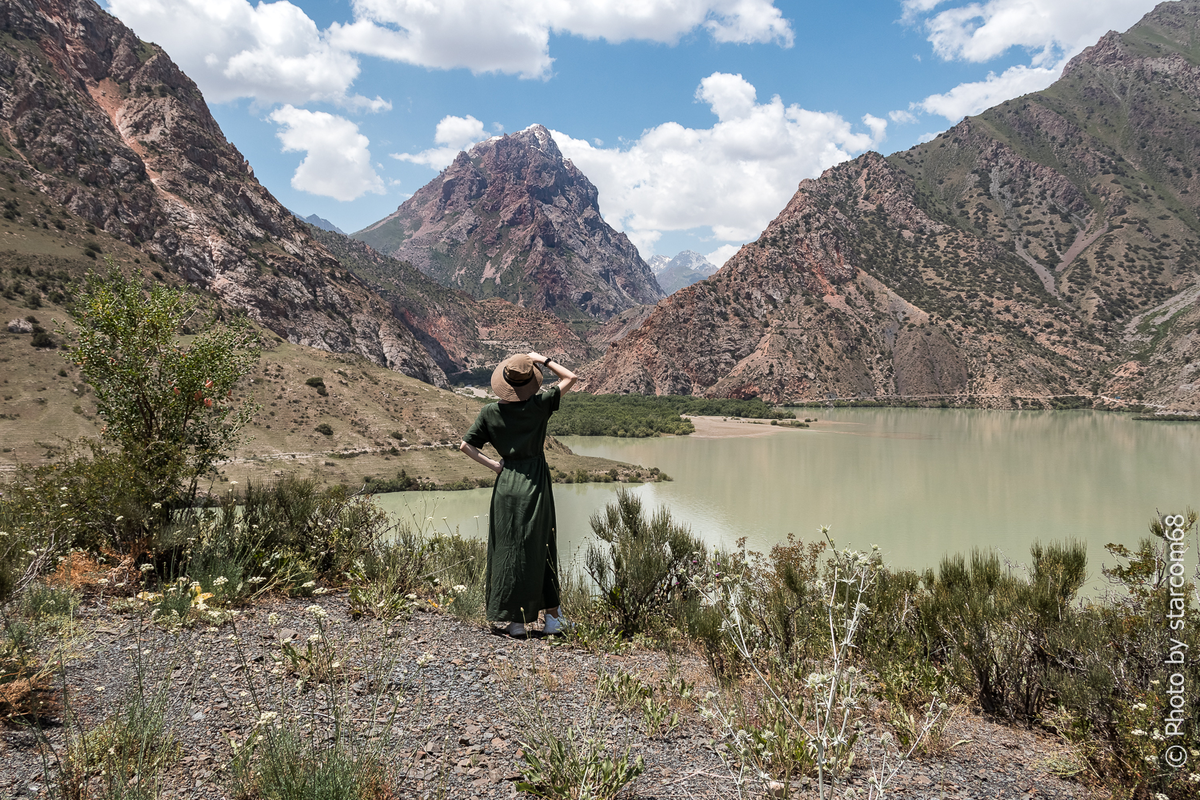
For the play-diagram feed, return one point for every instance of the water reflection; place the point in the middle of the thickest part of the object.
(918, 482)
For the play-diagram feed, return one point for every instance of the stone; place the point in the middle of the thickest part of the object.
(20, 326)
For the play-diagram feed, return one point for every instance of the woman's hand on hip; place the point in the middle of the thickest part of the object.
(499, 467)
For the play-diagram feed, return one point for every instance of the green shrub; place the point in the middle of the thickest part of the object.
(324, 429)
(640, 563)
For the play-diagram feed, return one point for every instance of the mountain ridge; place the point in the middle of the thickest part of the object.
(1047, 246)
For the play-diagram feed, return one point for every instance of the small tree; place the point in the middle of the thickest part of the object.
(167, 404)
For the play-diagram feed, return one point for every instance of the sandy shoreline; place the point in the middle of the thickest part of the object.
(728, 428)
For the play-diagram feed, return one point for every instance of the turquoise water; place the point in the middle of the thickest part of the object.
(920, 483)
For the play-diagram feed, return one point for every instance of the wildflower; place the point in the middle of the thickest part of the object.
(121, 517)
(460, 588)
(308, 585)
(1160, 796)
(266, 717)
(410, 597)
(156, 506)
(220, 580)
(1138, 732)
(256, 579)
(317, 611)
(273, 618)
(1194, 777)
(146, 567)
(320, 590)
(1157, 736)
(64, 505)
(424, 659)
(1151, 759)
(1139, 706)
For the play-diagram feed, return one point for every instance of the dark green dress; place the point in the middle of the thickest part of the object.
(522, 565)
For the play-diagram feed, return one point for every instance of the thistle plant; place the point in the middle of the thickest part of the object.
(807, 720)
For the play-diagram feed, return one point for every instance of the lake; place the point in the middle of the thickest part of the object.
(920, 483)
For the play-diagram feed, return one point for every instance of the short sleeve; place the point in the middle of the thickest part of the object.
(478, 434)
(553, 396)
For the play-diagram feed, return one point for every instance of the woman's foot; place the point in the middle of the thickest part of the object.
(556, 625)
(515, 630)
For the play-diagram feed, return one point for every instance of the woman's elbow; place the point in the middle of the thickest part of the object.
(463, 447)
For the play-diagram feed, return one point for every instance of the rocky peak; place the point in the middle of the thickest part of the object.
(511, 218)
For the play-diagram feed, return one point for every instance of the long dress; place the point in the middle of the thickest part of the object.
(522, 567)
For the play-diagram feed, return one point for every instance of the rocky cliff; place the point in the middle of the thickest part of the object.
(1049, 246)
(511, 218)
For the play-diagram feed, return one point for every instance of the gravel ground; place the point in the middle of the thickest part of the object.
(466, 693)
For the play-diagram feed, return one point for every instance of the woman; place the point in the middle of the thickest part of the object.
(522, 565)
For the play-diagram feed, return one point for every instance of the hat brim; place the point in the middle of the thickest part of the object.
(514, 394)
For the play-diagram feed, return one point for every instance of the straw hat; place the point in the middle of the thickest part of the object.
(516, 378)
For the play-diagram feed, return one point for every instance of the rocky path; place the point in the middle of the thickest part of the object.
(447, 705)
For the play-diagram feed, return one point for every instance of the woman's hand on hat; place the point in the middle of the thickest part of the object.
(537, 358)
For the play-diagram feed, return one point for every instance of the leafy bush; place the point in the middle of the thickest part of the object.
(1009, 630)
(169, 408)
(640, 563)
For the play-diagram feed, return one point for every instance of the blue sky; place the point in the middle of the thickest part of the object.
(696, 119)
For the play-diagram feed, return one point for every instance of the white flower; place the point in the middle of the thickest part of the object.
(410, 597)
(1139, 706)
(424, 659)
(320, 590)
(266, 717)
(1151, 759)
(256, 579)
(308, 585)
(1157, 736)
(272, 618)
(1138, 732)
(1160, 796)
(459, 588)
(1194, 777)
(317, 611)
(220, 580)
(146, 567)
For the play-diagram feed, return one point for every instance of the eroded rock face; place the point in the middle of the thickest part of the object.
(1041, 248)
(512, 219)
(110, 128)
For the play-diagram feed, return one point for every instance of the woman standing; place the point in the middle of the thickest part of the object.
(522, 567)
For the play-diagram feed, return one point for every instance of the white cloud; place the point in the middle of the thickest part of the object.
(732, 178)
(972, 98)
(513, 36)
(271, 52)
(337, 162)
(902, 117)
(1054, 31)
(722, 254)
(454, 134)
(980, 31)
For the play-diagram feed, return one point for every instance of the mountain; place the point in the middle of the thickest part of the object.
(511, 218)
(461, 334)
(684, 269)
(658, 263)
(108, 147)
(1048, 246)
(322, 223)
